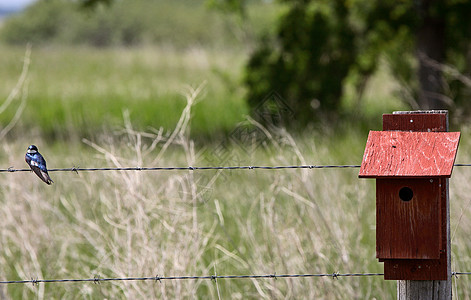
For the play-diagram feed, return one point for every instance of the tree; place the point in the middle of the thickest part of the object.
(306, 62)
(319, 43)
(93, 3)
(435, 32)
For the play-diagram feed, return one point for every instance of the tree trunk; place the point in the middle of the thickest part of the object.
(430, 51)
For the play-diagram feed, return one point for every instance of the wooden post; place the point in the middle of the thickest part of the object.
(429, 289)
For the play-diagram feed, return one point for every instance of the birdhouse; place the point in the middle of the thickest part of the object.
(411, 170)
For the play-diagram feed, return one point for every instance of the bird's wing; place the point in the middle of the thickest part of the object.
(41, 174)
(41, 162)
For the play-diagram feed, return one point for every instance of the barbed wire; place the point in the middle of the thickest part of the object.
(157, 278)
(78, 169)
(190, 168)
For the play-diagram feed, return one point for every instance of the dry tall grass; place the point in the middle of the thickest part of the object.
(171, 223)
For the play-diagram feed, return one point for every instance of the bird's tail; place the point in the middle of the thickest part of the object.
(45, 177)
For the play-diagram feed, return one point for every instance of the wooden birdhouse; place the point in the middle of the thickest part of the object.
(411, 169)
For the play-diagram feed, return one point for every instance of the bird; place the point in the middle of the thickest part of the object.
(37, 163)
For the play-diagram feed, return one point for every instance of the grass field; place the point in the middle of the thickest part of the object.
(75, 92)
(81, 91)
(171, 223)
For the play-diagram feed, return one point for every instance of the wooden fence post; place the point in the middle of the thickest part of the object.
(431, 289)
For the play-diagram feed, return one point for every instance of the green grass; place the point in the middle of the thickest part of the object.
(75, 92)
(81, 91)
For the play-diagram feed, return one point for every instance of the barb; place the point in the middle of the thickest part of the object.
(335, 275)
(98, 279)
(34, 281)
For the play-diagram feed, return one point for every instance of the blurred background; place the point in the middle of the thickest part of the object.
(119, 83)
(327, 61)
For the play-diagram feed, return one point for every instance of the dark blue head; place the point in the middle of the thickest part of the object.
(32, 149)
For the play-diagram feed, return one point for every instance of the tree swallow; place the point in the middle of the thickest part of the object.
(37, 163)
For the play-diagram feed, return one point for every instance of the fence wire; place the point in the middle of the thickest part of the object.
(98, 280)
(157, 278)
(78, 169)
(190, 168)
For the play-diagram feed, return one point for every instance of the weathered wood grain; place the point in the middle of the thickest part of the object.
(408, 229)
(428, 279)
(409, 154)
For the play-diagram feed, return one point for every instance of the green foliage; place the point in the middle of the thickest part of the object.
(94, 3)
(318, 44)
(44, 22)
(238, 6)
(399, 23)
(306, 62)
(181, 23)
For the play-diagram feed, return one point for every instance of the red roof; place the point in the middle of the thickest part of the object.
(409, 154)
